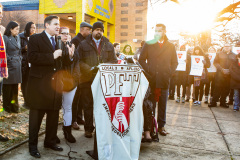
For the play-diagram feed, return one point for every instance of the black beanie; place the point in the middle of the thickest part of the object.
(98, 25)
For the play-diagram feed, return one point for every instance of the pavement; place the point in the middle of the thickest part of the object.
(196, 133)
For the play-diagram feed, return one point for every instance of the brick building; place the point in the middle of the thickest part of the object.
(131, 22)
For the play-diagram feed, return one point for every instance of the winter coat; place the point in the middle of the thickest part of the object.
(14, 58)
(77, 40)
(223, 61)
(24, 42)
(159, 62)
(44, 90)
(90, 57)
(235, 75)
(71, 70)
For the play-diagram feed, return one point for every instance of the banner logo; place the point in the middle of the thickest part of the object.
(120, 85)
(180, 55)
(197, 60)
(210, 57)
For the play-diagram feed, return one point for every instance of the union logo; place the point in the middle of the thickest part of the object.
(120, 84)
(210, 57)
(197, 60)
(180, 55)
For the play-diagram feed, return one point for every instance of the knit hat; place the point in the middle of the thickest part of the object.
(98, 25)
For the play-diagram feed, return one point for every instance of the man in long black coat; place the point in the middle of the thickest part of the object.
(222, 62)
(44, 85)
(159, 59)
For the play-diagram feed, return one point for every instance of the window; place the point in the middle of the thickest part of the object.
(123, 41)
(138, 11)
(138, 33)
(138, 26)
(124, 26)
(124, 4)
(124, 19)
(124, 34)
(139, 4)
(124, 12)
(138, 19)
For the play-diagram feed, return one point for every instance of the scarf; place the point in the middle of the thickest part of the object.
(3, 59)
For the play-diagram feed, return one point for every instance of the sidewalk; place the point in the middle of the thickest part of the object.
(195, 133)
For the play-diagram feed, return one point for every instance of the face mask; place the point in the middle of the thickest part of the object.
(158, 35)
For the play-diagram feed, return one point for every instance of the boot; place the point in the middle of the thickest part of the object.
(67, 132)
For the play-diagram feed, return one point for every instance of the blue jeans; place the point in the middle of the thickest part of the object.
(236, 99)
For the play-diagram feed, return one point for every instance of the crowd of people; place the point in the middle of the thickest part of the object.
(56, 72)
(212, 86)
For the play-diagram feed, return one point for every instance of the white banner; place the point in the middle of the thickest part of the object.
(236, 50)
(118, 93)
(212, 68)
(196, 65)
(182, 56)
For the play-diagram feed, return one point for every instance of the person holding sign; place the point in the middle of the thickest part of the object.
(198, 71)
(235, 82)
(222, 62)
(181, 75)
(211, 74)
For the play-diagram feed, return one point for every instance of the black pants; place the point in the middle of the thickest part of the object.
(10, 97)
(199, 92)
(77, 106)
(35, 120)
(172, 87)
(231, 95)
(183, 91)
(222, 88)
(87, 103)
(148, 110)
(24, 84)
(210, 85)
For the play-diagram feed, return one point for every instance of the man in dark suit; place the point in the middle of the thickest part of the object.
(44, 89)
(159, 59)
(85, 30)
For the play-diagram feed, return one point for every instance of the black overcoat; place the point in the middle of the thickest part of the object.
(159, 63)
(44, 90)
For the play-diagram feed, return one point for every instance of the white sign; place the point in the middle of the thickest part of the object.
(196, 65)
(236, 50)
(118, 93)
(212, 68)
(182, 56)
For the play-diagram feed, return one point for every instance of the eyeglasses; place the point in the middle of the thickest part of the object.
(65, 34)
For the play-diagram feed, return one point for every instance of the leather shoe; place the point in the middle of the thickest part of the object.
(54, 147)
(162, 131)
(81, 121)
(75, 126)
(88, 134)
(35, 153)
(212, 104)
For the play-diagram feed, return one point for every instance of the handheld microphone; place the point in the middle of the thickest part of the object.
(59, 43)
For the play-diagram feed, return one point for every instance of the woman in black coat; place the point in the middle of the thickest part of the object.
(198, 81)
(29, 30)
(14, 58)
(70, 76)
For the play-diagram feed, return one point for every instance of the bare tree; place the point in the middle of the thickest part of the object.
(17, 16)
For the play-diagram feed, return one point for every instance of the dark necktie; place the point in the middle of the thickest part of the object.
(53, 43)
